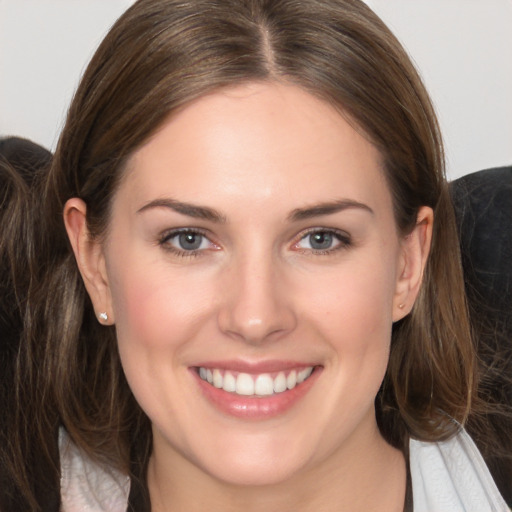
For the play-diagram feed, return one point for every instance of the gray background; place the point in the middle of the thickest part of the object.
(463, 49)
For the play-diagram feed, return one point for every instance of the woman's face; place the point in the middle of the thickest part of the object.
(252, 244)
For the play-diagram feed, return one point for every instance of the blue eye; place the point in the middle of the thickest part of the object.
(189, 241)
(323, 241)
(185, 241)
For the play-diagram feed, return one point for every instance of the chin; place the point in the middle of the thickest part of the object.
(263, 459)
(255, 473)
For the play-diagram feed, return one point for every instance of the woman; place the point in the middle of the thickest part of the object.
(240, 293)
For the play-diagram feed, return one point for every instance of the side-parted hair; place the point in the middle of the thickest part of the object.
(157, 58)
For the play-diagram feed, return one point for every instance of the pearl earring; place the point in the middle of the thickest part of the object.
(103, 316)
(401, 306)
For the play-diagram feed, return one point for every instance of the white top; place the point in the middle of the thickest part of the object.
(446, 477)
(452, 477)
(87, 487)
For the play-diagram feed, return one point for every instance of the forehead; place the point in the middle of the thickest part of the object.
(260, 143)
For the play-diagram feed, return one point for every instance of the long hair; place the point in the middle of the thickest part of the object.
(157, 58)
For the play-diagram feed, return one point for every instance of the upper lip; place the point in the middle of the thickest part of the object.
(255, 367)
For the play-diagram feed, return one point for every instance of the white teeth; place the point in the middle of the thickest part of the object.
(280, 383)
(304, 374)
(264, 385)
(229, 382)
(291, 380)
(244, 384)
(254, 385)
(217, 378)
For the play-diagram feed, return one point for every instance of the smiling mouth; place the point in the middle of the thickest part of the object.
(259, 385)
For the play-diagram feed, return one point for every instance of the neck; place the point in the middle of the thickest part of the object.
(350, 479)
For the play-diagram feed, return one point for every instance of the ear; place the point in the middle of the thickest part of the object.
(90, 259)
(415, 248)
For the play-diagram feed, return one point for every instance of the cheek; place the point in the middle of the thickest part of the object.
(154, 308)
(352, 312)
(354, 305)
(156, 316)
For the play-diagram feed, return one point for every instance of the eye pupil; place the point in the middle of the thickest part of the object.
(190, 241)
(321, 240)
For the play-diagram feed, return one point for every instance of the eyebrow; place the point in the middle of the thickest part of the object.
(189, 209)
(328, 208)
(210, 214)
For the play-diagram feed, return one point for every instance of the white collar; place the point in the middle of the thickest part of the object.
(86, 486)
(451, 476)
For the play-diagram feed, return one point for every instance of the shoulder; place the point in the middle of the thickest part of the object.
(85, 485)
(452, 475)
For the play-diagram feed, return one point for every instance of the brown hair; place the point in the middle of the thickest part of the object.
(159, 56)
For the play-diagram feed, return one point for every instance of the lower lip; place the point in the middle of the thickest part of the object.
(253, 407)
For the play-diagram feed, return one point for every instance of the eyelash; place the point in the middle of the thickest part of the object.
(164, 242)
(344, 241)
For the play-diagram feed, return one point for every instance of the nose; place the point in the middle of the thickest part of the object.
(256, 303)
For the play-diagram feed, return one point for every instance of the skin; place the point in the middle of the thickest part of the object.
(257, 290)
